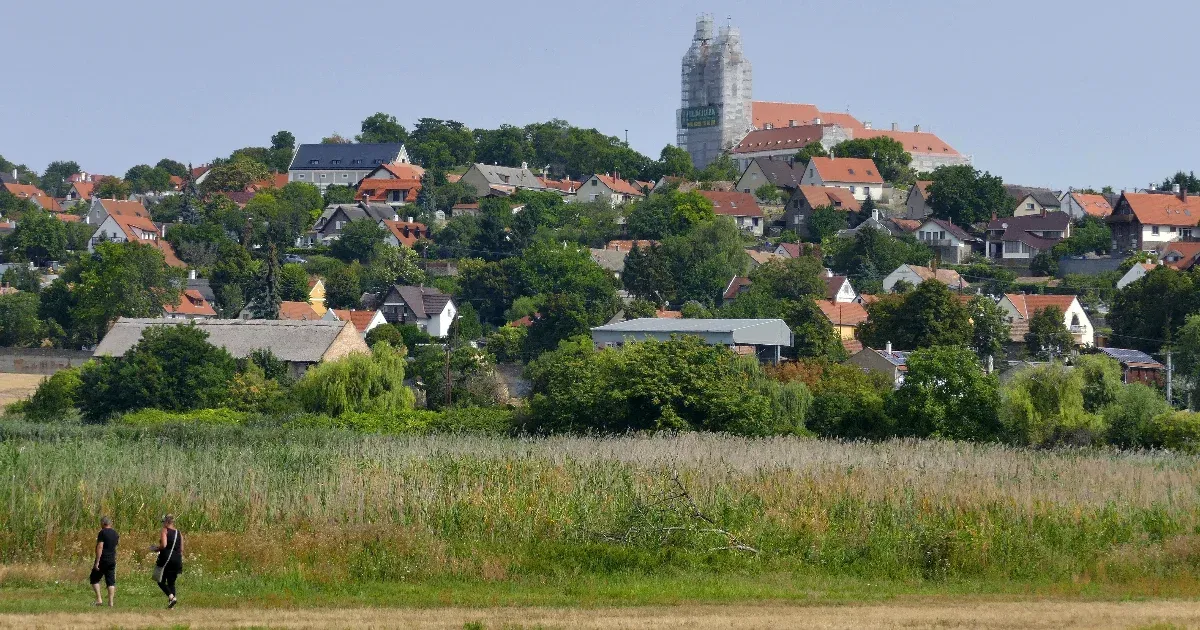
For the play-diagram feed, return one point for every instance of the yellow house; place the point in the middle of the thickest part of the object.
(845, 318)
(316, 295)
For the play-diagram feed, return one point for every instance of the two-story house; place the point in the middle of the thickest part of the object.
(1078, 205)
(806, 199)
(780, 172)
(951, 242)
(405, 233)
(917, 203)
(1037, 202)
(133, 229)
(1146, 221)
(1023, 238)
(396, 184)
(1020, 308)
(342, 164)
(611, 188)
(328, 227)
(490, 180)
(428, 308)
(858, 175)
(100, 209)
(739, 206)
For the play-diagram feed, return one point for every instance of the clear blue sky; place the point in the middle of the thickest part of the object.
(1058, 92)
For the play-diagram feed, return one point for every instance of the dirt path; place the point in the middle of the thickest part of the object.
(909, 615)
(14, 387)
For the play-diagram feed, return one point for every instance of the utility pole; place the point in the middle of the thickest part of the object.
(1170, 375)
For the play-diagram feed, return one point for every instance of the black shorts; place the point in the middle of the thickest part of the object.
(108, 570)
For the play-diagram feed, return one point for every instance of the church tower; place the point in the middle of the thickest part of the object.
(716, 81)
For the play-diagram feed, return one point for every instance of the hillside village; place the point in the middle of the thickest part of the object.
(811, 240)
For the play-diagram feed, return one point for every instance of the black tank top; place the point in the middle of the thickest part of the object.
(172, 554)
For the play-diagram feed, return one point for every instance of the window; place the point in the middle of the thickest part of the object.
(338, 225)
(1154, 230)
(314, 162)
(755, 221)
(746, 190)
(1015, 247)
(335, 162)
(850, 170)
(377, 161)
(1186, 232)
(300, 176)
(322, 175)
(345, 175)
(1173, 230)
(595, 182)
(1029, 206)
(356, 161)
(853, 190)
(798, 219)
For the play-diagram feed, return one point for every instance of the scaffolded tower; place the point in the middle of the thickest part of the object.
(716, 82)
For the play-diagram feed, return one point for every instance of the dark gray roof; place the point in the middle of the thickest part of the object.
(958, 232)
(201, 285)
(509, 176)
(332, 157)
(424, 301)
(1037, 222)
(7, 178)
(610, 259)
(1043, 196)
(897, 358)
(289, 340)
(360, 210)
(781, 172)
(1046, 198)
(1126, 356)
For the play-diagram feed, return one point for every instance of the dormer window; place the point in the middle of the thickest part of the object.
(356, 161)
(335, 162)
(377, 161)
(851, 171)
(314, 162)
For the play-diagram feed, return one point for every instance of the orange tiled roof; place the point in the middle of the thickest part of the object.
(781, 114)
(1159, 209)
(618, 185)
(176, 182)
(191, 303)
(922, 187)
(119, 208)
(360, 319)
(948, 277)
(83, 189)
(733, 204)
(913, 141)
(565, 185)
(407, 233)
(908, 225)
(1188, 252)
(818, 196)
(843, 313)
(668, 314)
(627, 246)
(68, 218)
(407, 171)
(24, 191)
(1095, 205)
(377, 189)
(301, 311)
(852, 170)
(1029, 305)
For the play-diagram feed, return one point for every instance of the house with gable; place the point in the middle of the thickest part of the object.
(845, 318)
(1135, 273)
(348, 164)
(428, 308)
(101, 209)
(34, 195)
(192, 306)
(364, 321)
(859, 176)
(610, 188)
(916, 274)
(1020, 308)
(951, 242)
(1148, 221)
(1078, 205)
(490, 180)
(739, 206)
(121, 228)
(806, 199)
(780, 173)
(892, 363)
(1020, 239)
(394, 183)
(783, 142)
(405, 233)
(916, 204)
(328, 227)
(1037, 201)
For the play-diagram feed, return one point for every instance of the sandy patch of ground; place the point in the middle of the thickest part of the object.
(937, 614)
(14, 387)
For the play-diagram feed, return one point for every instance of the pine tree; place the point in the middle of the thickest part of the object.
(188, 212)
(266, 305)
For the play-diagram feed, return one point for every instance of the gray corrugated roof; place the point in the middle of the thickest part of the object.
(370, 155)
(653, 324)
(289, 340)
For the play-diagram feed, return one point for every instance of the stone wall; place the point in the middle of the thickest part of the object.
(40, 360)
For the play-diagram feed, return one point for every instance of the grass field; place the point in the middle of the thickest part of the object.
(277, 519)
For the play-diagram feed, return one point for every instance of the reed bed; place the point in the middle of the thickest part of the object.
(339, 507)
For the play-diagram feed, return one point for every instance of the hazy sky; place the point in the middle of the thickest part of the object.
(1046, 92)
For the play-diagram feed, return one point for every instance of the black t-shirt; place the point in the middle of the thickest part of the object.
(109, 537)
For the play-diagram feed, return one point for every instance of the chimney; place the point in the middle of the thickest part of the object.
(1175, 188)
(616, 175)
(410, 219)
(895, 127)
(917, 128)
(867, 124)
(524, 166)
(191, 274)
(875, 214)
(888, 348)
(14, 174)
(1183, 194)
(816, 121)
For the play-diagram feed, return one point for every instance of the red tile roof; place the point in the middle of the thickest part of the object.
(838, 198)
(1158, 209)
(1188, 252)
(733, 204)
(668, 314)
(191, 303)
(360, 319)
(735, 286)
(33, 193)
(123, 208)
(407, 233)
(790, 138)
(83, 190)
(913, 141)
(1029, 305)
(379, 189)
(833, 284)
(781, 114)
(843, 313)
(68, 218)
(851, 170)
(565, 185)
(176, 183)
(908, 225)
(922, 187)
(627, 246)
(407, 171)
(948, 277)
(1095, 205)
(618, 185)
(302, 311)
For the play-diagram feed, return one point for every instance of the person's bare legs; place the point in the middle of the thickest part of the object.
(99, 599)
(112, 594)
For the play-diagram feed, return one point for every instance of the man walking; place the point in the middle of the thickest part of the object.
(106, 561)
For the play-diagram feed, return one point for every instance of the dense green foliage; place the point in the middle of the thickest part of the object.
(965, 196)
(357, 383)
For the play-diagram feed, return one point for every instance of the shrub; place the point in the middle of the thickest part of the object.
(1043, 406)
(489, 421)
(1102, 380)
(363, 383)
(847, 402)
(505, 344)
(946, 394)
(55, 398)
(1130, 416)
(158, 417)
(1177, 430)
(387, 333)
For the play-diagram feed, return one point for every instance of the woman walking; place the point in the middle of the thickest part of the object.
(170, 559)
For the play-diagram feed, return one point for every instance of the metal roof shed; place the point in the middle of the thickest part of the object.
(725, 332)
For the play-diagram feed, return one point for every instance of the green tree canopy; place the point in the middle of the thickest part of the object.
(889, 156)
(1149, 312)
(930, 315)
(965, 196)
(826, 221)
(357, 383)
(381, 127)
(38, 237)
(1048, 336)
(947, 395)
(54, 179)
(811, 150)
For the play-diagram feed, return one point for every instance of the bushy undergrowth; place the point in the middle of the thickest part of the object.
(342, 507)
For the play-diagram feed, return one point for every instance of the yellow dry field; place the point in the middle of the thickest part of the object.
(14, 387)
(933, 614)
